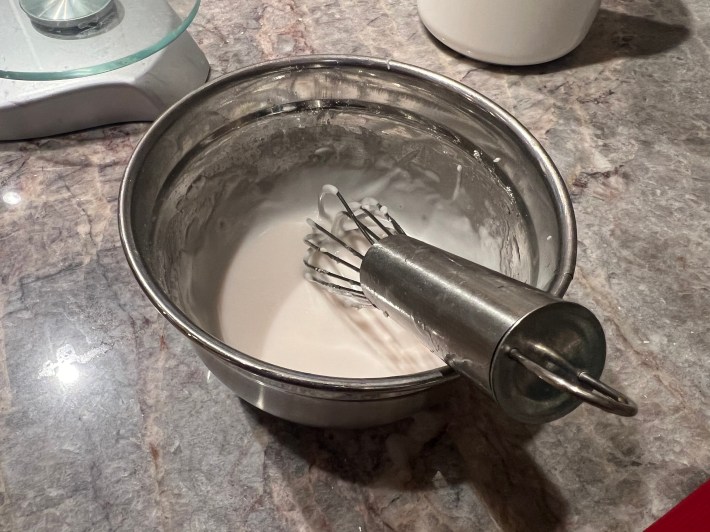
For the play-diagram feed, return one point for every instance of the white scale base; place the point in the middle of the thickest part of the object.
(134, 93)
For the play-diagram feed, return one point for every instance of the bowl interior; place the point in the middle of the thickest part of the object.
(256, 144)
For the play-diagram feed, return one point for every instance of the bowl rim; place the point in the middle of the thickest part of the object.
(319, 385)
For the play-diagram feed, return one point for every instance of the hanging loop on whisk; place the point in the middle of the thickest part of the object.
(587, 388)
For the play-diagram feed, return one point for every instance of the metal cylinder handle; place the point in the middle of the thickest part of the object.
(586, 388)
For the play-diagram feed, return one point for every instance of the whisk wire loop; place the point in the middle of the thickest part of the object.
(336, 239)
(331, 256)
(344, 290)
(366, 231)
(368, 218)
(377, 221)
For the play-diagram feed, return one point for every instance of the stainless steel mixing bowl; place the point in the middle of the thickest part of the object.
(224, 147)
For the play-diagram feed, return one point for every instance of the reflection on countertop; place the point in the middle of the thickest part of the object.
(108, 421)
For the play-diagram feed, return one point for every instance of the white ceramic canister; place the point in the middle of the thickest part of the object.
(509, 32)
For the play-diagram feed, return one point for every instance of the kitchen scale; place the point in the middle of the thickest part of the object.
(67, 65)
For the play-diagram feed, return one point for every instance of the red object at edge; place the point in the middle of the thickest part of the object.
(692, 514)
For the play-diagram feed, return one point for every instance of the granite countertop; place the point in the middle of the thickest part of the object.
(108, 421)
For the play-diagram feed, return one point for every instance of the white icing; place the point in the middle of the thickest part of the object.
(267, 308)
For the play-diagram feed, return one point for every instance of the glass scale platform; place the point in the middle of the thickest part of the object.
(67, 65)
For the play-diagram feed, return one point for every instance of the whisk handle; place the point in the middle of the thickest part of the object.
(473, 318)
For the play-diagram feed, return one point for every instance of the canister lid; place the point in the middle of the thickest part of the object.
(554, 343)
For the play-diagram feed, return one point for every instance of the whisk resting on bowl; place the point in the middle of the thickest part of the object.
(538, 356)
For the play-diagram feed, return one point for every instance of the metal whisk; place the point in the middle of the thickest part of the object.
(376, 213)
(537, 355)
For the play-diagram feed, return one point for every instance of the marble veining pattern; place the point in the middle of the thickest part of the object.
(108, 421)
